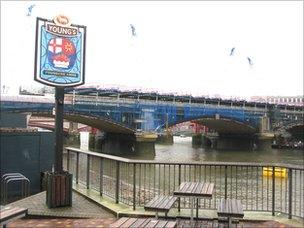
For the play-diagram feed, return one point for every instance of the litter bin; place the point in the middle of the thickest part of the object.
(58, 189)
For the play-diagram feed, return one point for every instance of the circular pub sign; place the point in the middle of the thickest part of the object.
(60, 52)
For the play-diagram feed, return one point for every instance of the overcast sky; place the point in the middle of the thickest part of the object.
(179, 46)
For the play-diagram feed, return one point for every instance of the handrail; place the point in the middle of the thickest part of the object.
(135, 161)
(259, 186)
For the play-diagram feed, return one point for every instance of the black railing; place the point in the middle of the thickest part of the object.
(135, 182)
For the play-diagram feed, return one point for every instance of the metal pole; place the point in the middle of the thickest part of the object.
(77, 167)
(290, 193)
(179, 182)
(225, 181)
(88, 171)
(59, 100)
(117, 182)
(273, 190)
(134, 186)
(101, 177)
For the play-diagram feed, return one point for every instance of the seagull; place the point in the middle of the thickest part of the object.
(133, 30)
(30, 10)
(232, 51)
(249, 61)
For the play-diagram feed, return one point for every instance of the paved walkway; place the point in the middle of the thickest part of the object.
(81, 208)
(60, 222)
(181, 223)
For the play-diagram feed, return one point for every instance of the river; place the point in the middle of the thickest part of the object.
(183, 151)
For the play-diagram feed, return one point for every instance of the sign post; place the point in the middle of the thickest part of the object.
(59, 99)
(59, 62)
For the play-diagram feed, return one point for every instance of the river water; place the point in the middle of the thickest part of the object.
(183, 151)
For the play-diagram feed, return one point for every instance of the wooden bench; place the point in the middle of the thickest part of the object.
(8, 214)
(160, 204)
(142, 222)
(230, 208)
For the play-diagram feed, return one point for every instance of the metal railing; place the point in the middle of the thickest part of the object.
(135, 182)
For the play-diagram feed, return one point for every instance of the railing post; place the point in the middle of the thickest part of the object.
(290, 193)
(117, 181)
(101, 177)
(179, 182)
(68, 160)
(77, 167)
(88, 171)
(134, 186)
(273, 190)
(226, 175)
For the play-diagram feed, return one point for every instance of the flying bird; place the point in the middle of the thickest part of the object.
(29, 12)
(249, 61)
(232, 51)
(133, 30)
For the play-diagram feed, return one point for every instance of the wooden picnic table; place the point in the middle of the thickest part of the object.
(194, 190)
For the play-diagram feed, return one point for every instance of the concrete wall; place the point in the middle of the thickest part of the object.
(29, 153)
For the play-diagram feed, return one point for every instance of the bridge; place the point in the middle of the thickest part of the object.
(128, 112)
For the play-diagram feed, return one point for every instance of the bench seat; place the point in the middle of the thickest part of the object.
(231, 208)
(160, 203)
(142, 222)
(8, 214)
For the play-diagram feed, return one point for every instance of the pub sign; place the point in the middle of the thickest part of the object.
(60, 52)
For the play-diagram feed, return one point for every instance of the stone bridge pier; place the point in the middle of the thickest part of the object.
(126, 144)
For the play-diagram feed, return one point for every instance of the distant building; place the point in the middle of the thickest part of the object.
(284, 100)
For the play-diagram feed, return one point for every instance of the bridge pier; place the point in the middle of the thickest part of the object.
(235, 143)
(165, 139)
(229, 142)
(197, 140)
(264, 140)
(126, 144)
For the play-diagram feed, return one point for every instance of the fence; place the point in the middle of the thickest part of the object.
(135, 182)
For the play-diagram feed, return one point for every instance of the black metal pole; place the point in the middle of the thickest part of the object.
(59, 99)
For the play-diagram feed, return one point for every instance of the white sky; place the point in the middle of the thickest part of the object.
(180, 46)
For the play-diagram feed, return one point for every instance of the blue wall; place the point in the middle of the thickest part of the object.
(29, 153)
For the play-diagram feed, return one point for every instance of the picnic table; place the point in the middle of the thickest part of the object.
(194, 190)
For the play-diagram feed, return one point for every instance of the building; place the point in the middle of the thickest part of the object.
(283, 100)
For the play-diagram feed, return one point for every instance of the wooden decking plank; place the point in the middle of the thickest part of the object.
(162, 203)
(204, 189)
(210, 189)
(184, 186)
(140, 222)
(119, 222)
(162, 223)
(234, 209)
(152, 223)
(199, 187)
(153, 201)
(171, 201)
(166, 203)
(170, 224)
(145, 222)
(240, 207)
(189, 187)
(129, 222)
(194, 187)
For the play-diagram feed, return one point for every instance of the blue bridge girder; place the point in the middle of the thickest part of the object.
(128, 115)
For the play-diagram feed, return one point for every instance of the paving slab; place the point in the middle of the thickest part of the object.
(81, 207)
